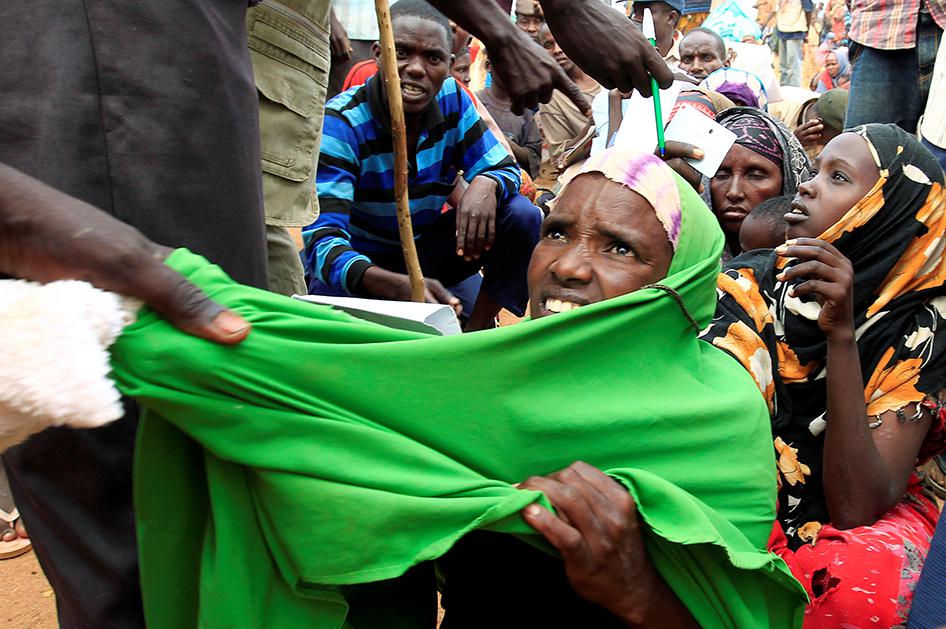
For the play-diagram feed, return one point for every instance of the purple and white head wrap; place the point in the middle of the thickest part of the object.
(648, 176)
(753, 133)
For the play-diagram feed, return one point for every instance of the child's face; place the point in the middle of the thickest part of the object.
(845, 173)
(757, 233)
(461, 69)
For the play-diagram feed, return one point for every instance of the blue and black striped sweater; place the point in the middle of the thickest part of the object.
(355, 176)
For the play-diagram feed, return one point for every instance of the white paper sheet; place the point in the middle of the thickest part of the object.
(638, 129)
(404, 315)
(694, 128)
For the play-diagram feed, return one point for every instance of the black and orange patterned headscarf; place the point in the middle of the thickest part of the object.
(895, 238)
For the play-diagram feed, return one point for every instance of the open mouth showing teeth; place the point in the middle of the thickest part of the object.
(411, 90)
(797, 213)
(557, 305)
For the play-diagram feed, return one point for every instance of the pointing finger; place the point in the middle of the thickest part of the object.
(573, 92)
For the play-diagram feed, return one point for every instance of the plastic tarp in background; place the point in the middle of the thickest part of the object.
(731, 22)
(734, 23)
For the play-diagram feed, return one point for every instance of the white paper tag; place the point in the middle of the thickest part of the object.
(692, 127)
(638, 129)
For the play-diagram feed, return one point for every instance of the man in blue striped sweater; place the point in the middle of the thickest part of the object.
(353, 248)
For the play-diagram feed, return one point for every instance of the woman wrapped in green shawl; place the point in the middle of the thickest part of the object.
(324, 452)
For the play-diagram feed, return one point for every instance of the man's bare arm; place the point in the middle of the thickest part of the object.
(46, 235)
(529, 73)
(628, 63)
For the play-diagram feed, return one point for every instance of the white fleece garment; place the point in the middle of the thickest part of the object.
(54, 362)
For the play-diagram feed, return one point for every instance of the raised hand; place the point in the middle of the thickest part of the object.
(582, 27)
(824, 272)
(675, 156)
(528, 72)
(809, 134)
(530, 75)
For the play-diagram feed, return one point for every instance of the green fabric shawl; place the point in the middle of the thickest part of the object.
(325, 450)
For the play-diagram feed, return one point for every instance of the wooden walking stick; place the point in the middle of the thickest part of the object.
(392, 85)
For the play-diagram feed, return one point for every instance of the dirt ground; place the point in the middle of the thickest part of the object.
(27, 601)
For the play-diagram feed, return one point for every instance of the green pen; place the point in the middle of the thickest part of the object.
(651, 35)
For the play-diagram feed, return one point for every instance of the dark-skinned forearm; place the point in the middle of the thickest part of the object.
(554, 7)
(35, 218)
(858, 486)
(661, 611)
(521, 154)
(559, 12)
(555, 11)
(46, 235)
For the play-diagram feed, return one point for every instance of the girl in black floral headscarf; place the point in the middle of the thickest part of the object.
(844, 330)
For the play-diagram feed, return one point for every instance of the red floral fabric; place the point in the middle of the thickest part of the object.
(864, 577)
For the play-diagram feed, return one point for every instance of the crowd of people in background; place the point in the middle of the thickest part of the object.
(829, 210)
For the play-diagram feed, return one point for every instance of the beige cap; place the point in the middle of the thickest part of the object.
(528, 7)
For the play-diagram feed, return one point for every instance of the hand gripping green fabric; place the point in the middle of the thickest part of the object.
(325, 450)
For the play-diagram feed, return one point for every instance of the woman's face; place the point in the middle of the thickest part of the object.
(744, 180)
(601, 241)
(831, 64)
(845, 173)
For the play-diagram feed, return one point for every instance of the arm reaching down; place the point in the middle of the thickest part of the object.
(338, 39)
(46, 235)
(630, 60)
(530, 72)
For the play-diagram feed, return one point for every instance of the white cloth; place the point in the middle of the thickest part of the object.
(54, 361)
(358, 17)
(933, 124)
(600, 112)
(757, 59)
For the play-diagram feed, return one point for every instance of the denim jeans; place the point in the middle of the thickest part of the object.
(938, 152)
(929, 606)
(892, 85)
(790, 57)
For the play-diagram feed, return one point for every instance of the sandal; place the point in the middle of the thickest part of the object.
(17, 546)
(9, 516)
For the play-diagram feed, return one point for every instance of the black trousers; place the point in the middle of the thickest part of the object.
(148, 110)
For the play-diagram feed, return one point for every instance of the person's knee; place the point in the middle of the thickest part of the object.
(520, 220)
